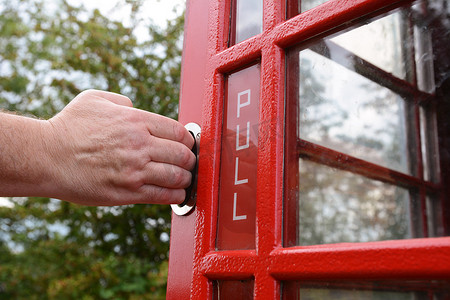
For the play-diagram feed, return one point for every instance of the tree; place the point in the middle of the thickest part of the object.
(55, 250)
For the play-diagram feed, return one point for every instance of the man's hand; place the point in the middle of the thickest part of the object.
(99, 150)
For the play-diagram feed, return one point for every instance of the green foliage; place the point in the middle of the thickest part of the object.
(49, 53)
(57, 269)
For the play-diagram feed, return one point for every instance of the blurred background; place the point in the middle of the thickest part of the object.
(50, 50)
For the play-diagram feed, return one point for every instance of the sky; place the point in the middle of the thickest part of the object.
(158, 11)
(155, 11)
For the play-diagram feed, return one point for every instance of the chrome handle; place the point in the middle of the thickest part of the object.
(191, 192)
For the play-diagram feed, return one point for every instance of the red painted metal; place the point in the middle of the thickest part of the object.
(194, 263)
(347, 162)
(403, 260)
(192, 89)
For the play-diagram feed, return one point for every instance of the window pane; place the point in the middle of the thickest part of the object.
(347, 112)
(377, 92)
(367, 290)
(248, 19)
(381, 42)
(308, 4)
(236, 222)
(434, 216)
(338, 206)
(338, 294)
(233, 289)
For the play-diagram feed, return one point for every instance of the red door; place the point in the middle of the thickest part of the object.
(324, 169)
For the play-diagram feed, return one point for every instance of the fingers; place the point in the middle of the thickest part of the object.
(167, 176)
(150, 194)
(166, 128)
(171, 152)
(146, 194)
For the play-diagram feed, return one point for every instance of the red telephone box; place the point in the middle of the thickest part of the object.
(324, 162)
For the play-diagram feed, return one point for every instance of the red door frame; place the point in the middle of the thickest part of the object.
(194, 263)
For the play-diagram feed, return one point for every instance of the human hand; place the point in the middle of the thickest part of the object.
(102, 151)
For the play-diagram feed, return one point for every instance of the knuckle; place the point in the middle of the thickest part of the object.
(127, 101)
(131, 180)
(87, 92)
(162, 195)
(179, 131)
(181, 178)
(187, 159)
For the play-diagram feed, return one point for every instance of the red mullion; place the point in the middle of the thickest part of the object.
(229, 265)
(274, 12)
(346, 162)
(237, 56)
(415, 259)
(330, 16)
(269, 204)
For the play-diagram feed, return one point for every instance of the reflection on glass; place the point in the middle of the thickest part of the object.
(380, 43)
(434, 216)
(337, 294)
(367, 290)
(377, 93)
(344, 111)
(429, 143)
(248, 19)
(338, 206)
(233, 289)
(308, 4)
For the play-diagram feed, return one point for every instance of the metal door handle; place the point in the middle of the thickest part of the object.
(191, 192)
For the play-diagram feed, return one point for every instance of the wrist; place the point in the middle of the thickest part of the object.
(23, 163)
(49, 169)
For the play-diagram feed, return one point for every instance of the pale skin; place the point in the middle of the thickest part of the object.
(98, 150)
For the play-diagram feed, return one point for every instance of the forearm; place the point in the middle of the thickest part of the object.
(23, 157)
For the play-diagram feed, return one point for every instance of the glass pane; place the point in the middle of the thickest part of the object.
(381, 42)
(249, 18)
(237, 190)
(434, 216)
(377, 91)
(338, 206)
(380, 290)
(337, 294)
(233, 289)
(347, 112)
(429, 144)
(308, 4)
